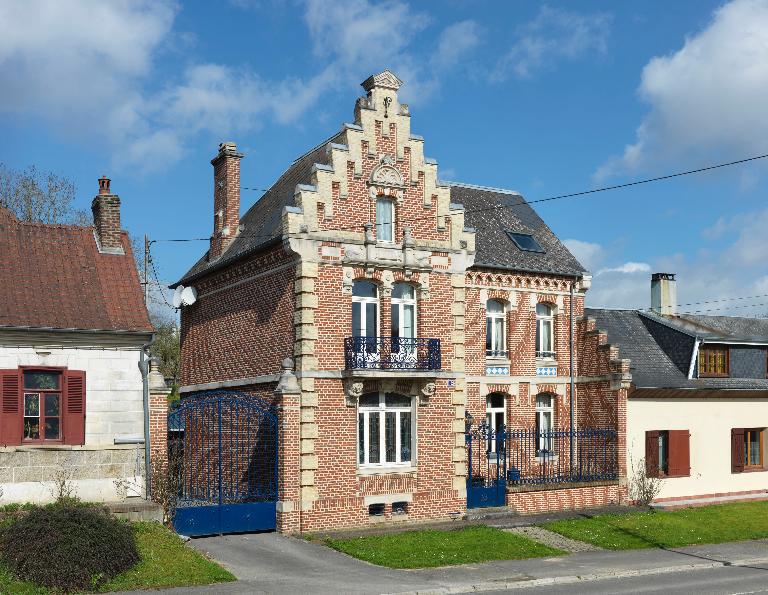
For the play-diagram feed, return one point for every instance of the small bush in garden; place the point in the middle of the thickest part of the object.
(68, 547)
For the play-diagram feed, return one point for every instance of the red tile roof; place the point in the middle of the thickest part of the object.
(53, 276)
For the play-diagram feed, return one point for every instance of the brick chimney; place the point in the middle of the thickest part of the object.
(226, 198)
(106, 219)
(664, 293)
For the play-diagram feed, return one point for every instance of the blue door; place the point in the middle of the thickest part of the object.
(487, 468)
(223, 454)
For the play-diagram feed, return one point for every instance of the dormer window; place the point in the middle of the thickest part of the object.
(714, 361)
(385, 220)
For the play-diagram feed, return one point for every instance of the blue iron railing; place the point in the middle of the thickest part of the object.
(392, 353)
(540, 457)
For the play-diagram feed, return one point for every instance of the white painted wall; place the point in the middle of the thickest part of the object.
(709, 422)
(113, 388)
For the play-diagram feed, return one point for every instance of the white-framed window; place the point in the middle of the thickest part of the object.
(385, 220)
(385, 430)
(403, 322)
(545, 326)
(495, 329)
(495, 415)
(544, 422)
(365, 322)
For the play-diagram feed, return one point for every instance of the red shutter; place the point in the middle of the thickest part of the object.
(679, 453)
(11, 414)
(652, 454)
(737, 450)
(74, 411)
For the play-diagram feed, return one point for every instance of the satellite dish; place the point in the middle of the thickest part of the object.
(188, 296)
(177, 296)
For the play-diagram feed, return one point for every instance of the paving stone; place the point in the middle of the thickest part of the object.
(553, 539)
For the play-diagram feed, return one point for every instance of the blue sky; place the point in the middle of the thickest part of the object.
(545, 99)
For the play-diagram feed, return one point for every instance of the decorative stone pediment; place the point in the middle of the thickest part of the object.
(386, 79)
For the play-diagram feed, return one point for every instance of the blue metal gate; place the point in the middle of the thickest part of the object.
(224, 454)
(487, 455)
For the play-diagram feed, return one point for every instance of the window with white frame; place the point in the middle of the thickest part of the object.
(385, 220)
(495, 329)
(495, 416)
(544, 422)
(404, 321)
(385, 430)
(545, 339)
(365, 316)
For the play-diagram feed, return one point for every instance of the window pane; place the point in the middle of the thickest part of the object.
(499, 421)
(31, 428)
(543, 402)
(405, 436)
(42, 380)
(364, 289)
(357, 322)
(52, 428)
(361, 437)
(403, 291)
(395, 320)
(488, 336)
(52, 405)
(543, 310)
(495, 400)
(369, 400)
(371, 319)
(32, 405)
(373, 438)
(498, 338)
(753, 444)
(494, 307)
(384, 212)
(389, 436)
(395, 400)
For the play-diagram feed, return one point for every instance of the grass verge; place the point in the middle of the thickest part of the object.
(165, 562)
(431, 548)
(677, 528)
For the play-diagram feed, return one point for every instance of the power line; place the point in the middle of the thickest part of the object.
(523, 201)
(725, 308)
(747, 297)
(157, 280)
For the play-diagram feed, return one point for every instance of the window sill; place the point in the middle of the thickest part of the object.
(391, 470)
(750, 470)
(545, 360)
(498, 360)
(547, 459)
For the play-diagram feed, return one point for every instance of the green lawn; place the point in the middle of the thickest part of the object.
(688, 526)
(431, 548)
(165, 562)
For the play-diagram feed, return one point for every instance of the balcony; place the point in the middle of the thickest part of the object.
(392, 353)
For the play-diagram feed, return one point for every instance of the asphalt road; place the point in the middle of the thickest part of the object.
(725, 580)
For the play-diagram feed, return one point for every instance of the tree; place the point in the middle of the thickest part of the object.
(166, 348)
(33, 195)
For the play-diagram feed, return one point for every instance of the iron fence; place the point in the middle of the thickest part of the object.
(392, 353)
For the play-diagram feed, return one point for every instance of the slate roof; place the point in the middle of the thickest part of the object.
(262, 224)
(53, 277)
(653, 366)
(726, 328)
(492, 212)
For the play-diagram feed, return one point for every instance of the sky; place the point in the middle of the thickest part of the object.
(542, 98)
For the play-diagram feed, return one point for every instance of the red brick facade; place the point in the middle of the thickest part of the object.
(294, 299)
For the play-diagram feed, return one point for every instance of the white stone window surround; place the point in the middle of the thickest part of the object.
(545, 331)
(373, 414)
(385, 220)
(495, 414)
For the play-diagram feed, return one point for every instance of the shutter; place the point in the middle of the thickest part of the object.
(652, 454)
(737, 450)
(679, 453)
(74, 411)
(11, 415)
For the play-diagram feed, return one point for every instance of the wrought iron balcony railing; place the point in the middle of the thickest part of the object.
(392, 353)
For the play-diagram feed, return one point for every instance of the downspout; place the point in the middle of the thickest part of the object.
(573, 381)
(144, 369)
(694, 356)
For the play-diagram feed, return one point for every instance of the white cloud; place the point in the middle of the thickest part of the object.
(589, 254)
(628, 268)
(707, 98)
(86, 67)
(554, 35)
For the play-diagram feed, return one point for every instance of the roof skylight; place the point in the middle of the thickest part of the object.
(525, 241)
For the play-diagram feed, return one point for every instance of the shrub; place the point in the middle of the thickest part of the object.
(70, 547)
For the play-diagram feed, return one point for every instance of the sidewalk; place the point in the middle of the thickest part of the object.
(274, 563)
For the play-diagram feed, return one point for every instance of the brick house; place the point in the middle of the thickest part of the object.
(697, 409)
(72, 325)
(413, 319)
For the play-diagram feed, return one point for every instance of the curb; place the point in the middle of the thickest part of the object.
(523, 583)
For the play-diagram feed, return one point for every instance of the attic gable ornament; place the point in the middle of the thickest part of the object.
(386, 179)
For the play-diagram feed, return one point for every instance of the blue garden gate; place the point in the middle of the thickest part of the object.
(487, 457)
(223, 454)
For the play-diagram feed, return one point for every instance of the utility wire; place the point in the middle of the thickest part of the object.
(523, 202)
(157, 280)
(725, 308)
(746, 297)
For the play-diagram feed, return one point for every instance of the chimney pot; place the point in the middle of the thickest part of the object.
(104, 185)
(664, 294)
